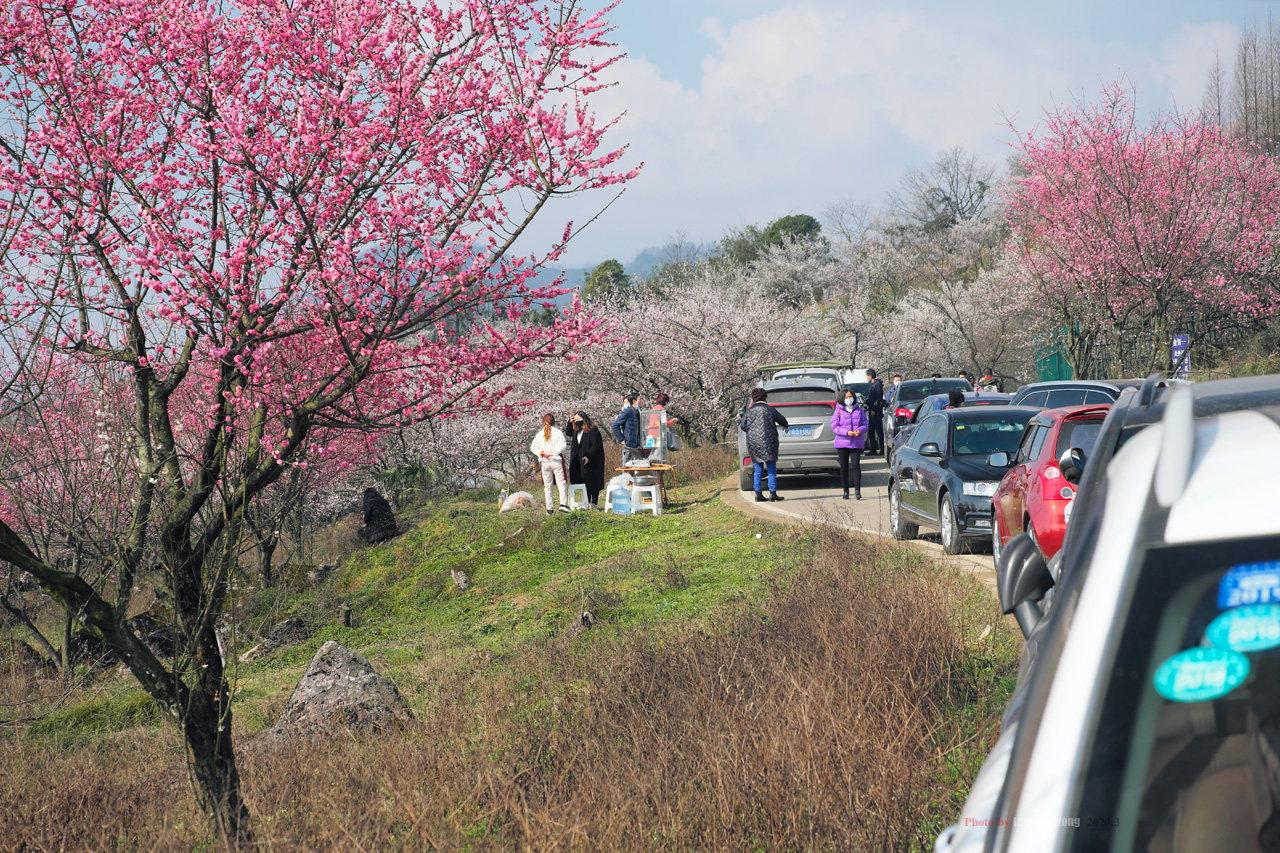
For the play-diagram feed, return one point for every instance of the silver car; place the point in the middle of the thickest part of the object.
(808, 444)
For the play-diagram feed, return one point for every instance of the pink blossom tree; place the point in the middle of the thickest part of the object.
(277, 220)
(1168, 228)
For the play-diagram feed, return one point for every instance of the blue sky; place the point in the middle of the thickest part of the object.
(747, 110)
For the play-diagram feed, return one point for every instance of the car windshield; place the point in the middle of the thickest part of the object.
(991, 435)
(810, 394)
(1081, 434)
(911, 393)
(1188, 737)
(791, 411)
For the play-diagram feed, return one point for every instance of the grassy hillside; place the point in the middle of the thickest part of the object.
(747, 686)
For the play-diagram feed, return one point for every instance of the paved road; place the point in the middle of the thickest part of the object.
(816, 498)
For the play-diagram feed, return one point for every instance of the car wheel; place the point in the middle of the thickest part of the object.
(898, 525)
(747, 478)
(996, 547)
(1031, 531)
(948, 527)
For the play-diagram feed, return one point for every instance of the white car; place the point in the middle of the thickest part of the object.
(1151, 720)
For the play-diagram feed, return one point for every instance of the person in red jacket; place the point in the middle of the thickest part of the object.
(849, 426)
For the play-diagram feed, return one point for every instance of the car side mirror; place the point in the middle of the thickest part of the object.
(999, 459)
(931, 449)
(1071, 463)
(1022, 579)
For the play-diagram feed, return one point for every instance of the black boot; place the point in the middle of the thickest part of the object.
(857, 495)
(759, 496)
(774, 496)
(846, 493)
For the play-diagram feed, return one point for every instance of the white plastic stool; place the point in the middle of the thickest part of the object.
(639, 502)
(578, 496)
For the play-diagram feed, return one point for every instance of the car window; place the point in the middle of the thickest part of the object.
(810, 394)
(911, 393)
(1081, 434)
(1035, 398)
(805, 410)
(1024, 446)
(1188, 729)
(1060, 397)
(1098, 398)
(979, 438)
(929, 431)
(1037, 442)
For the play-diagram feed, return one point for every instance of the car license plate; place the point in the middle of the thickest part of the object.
(800, 430)
(980, 523)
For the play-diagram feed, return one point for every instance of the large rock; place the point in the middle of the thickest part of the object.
(341, 690)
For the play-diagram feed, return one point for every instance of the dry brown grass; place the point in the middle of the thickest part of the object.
(818, 720)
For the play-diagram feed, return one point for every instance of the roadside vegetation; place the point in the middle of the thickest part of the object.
(746, 686)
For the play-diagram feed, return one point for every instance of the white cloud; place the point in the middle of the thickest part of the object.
(1183, 63)
(818, 101)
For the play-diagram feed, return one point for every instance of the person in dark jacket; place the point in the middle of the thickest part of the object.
(875, 413)
(849, 426)
(379, 521)
(760, 422)
(587, 450)
(626, 427)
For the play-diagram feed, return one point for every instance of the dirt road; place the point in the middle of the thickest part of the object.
(816, 498)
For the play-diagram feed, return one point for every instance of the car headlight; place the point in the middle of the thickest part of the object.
(982, 489)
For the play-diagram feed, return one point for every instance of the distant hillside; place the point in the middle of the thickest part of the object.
(642, 265)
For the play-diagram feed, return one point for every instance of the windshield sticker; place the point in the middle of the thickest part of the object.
(1251, 628)
(1201, 674)
(1253, 583)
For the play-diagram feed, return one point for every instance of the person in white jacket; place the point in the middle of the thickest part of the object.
(550, 447)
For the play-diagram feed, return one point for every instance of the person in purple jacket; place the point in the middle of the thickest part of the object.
(849, 426)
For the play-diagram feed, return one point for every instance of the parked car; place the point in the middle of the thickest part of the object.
(941, 478)
(807, 445)
(937, 403)
(901, 403)
(845, 373)
(1072, 392)
(1034, 496)
(1151, 718)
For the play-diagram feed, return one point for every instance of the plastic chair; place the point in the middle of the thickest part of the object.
(646, 497)
(578, 496)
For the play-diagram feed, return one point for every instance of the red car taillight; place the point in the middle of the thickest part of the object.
(1055, 486)
(746, 461)
(901, 413)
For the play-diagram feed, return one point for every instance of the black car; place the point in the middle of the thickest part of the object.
(937, 403)
(941, 477)
(1072, 392)
(902, 401)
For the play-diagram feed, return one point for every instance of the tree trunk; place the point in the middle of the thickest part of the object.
(68, 622)
(206, 724)
(267, 550)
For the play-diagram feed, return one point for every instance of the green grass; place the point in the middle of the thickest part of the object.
(528, 575)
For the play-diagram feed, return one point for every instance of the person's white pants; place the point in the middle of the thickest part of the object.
(555, 470)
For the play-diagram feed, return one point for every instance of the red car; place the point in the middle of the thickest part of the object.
(1033, 496)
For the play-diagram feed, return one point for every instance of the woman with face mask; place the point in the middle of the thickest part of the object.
(849, 426)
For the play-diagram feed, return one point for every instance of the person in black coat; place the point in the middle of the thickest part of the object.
(573, 435)
(379, 521)
(587, 454)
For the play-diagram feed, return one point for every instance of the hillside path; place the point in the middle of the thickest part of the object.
(815, 499)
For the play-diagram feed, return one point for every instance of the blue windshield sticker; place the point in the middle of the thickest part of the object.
(1201, 674)
(1252, 628)
(1253, 583)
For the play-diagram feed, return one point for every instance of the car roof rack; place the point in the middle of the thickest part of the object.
(1147, 393)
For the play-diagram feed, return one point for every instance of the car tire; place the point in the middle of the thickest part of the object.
(996, 547)
(948, 527)
(747, 478)
(898, 524)
(1031, 531)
